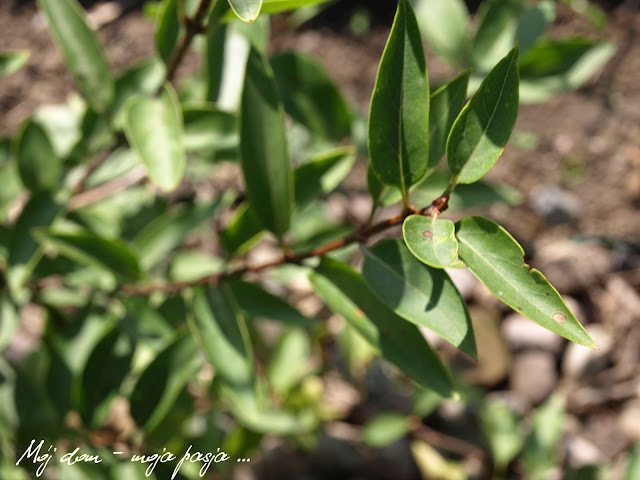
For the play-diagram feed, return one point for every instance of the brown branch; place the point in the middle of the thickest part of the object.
(105, 190)
(447, 442)
(360, 236)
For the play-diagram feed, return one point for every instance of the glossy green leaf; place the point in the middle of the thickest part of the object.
(142, 79)
(222, 334)
(399, 114)
(154, 129)
(555, 66)
(503, 430)
(263, 147)
(12, 61)
(385, 429)
(310, 96)
(322, 174)
(432, 241)
(207, 128)
(497, 260)
(167, 30)
(38, 165)
(481, 131)
(163, 380)
(289, 360)
(418, 293)
(496, 33)
(242, 231)
(81, 50)
(256, 302)
(401, 343)
(89, 249)
(40, 211)
(444, 25)
(246, 10)
(445, 105)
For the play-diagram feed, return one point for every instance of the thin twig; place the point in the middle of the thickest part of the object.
(448, 443)
(105, 190)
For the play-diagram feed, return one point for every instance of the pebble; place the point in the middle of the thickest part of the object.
(522, 333)
(534, 376)
(582, 452)
(557, 205)
(629, 421)
(579, 361)
(464, 281)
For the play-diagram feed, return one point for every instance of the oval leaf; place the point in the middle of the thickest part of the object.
(399, 115)
(481, 131)
(418, 293)
(263, 147)
(167, 30)
(81, 50)
(154, 129)
(385, 429)
(12, 61)
(432, 241)
(38, 165)
(444, 25)
(497, 260)
(246, 10)
(310, 96)
(399, 342)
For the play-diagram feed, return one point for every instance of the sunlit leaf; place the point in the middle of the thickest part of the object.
(38, 164)
(385, 429)
(246, 10)
(444, 25)
(432, 241)
(12, 61)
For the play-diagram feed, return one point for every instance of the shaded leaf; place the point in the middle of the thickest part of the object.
(503, 429)
(481, 131)
(81, 50)
(167, 30)
(540, 454)
(418, 293)
(322, 174)
(432, 241)
(246, 10)
(385, 429)
(399, 342)
(533, 23)
(444, 25)
(12, 61)
(288, 361)
(38, 164)
(242, 231)
(399, 114)
(310, 96)
(163, 380)
(207, 128)
(154, 129)
(497, 260)
(263, 147)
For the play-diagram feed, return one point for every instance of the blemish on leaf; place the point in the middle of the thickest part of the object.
(559, 317)
(427, 234)
(519, 307)
(360, 313)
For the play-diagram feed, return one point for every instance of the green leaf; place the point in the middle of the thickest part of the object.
(263, 147)
(533, 23)
(497, 260)
(444, 25)
(496, 32)
(432, 241)
(222, 334)
(246, 10)
(81, 50)
(289, 360)
(89, 249)
(555, 66)
(206, 128)
(256, 302)
(12, 61)
(277, 6)
(481, 131)
(418, 293)
(322, 174)
(154, 129)
(541, 449)
(10, 321)
(399, 342)
(38, 164)
(384, 429)
(142, 79)
(242, 231)
(633, 467)
(310, 96)
(503, 430)
(445, 105)
(163, 380)
(167, 30)
(191, 265)
(24, 251)
(399, 114)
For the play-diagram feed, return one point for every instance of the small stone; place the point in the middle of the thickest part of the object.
(360, 207)
(534, 376)
(557, 205)
(464, 280)
(582, 452)
(629, 421)
(579, 361)
(521, 333)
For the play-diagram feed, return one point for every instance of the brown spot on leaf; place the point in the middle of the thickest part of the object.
(427, 234)
(360, 313)
(559, 317)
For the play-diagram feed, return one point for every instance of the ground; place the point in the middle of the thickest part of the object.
(586, 163)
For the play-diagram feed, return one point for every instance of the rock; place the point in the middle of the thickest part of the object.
(521, 333)
(464, 280)
(629, 421)
(360, 207)
(533, 375)
(579, 361)
(557, 205)
(582, 452)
